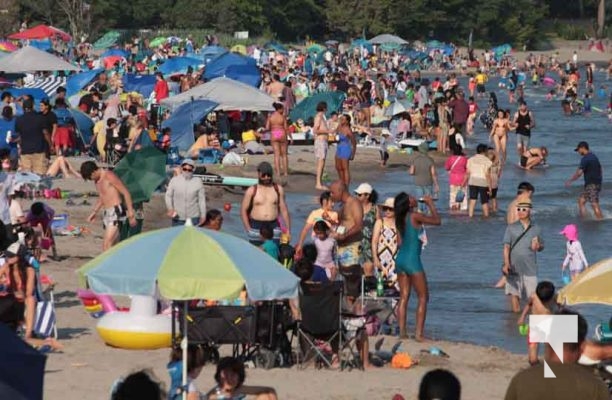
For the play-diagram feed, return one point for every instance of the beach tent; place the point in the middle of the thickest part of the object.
(179, 65)
(109, 39)
(22, 368)
(208, 53)
(228, 93)
(227, 64)
(387, 39)
(307, 108)
(181, 121)
(41, 32)
(32, 59)
(78, 81)
(49, 84)
(142, 84)
(36, 93)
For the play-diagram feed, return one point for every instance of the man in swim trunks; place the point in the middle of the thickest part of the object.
(348, 234)
(321, 131)
(523, 122)
(590, 168)
(111, 190)
(263, 204)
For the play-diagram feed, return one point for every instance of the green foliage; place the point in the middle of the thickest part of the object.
(492, 22)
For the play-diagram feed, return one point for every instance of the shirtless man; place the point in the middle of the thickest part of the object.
(277, 126)
(499, 134)
(321, 131)
(532, 157)
(348, 234)
(111, 190)
(262, 205)
(275, 87)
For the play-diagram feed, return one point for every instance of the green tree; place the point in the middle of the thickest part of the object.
(9, 17)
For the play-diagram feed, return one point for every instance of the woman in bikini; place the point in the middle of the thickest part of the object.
(499, 134)
(277, 125)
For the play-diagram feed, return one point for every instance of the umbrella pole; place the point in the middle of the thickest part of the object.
(184, 348)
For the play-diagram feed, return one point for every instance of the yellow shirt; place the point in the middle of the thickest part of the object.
(481, 79)
(249, 136)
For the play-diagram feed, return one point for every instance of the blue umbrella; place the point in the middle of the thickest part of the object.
(179, 65)
(22, 369)
(182, 119)
(84, 124)
(78, 81)
(115, 52)
(142, 84)
(188, 263)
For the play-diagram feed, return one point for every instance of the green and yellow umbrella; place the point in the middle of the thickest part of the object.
(188, 263)
(592, 286)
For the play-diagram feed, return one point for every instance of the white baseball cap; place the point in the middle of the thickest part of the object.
(364, 188)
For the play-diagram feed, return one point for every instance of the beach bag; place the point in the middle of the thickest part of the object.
(232, 158)
(44, 324)
(459, 196)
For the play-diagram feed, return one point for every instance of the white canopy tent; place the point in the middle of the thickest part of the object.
(30, 59)
(387, 38)
(230, 94)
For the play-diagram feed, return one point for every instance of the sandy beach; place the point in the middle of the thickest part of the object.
(87, 368)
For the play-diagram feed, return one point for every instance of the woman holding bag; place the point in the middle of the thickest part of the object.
(456, 167)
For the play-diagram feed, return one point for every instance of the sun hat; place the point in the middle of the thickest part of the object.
(364, 188)
(389, 203)
(525, 203)
(570, 231)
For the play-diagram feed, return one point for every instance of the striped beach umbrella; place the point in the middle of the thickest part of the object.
(591, 286)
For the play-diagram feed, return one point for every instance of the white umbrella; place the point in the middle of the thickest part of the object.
(394, 109)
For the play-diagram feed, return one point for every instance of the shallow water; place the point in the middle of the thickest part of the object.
(463, 258)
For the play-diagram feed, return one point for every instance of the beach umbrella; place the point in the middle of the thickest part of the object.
(158, 41)
(84, 124)
(394, 109)
(186, 263)
(315, 48)
(142, 171)
(307, 108)
(592, 286)
(107, 40)
(22, 368)
(41, 32)
(115, 52)
(7, 46)
(179, 65)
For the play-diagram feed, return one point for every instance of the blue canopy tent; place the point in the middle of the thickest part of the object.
(208, 53)
(276, 47)
(41, 44)
(115, 52)
(142, 84)
(78, 81)
(22, 368)
(181, 121)
(84, 125)
(179, 65)
(226, 65)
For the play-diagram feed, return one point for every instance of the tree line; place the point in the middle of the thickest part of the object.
(518, 22)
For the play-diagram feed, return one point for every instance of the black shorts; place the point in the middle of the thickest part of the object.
(523, 161)
(481, 191)
(493, 194)
(481, 88)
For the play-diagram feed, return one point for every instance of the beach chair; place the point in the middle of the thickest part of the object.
(319, 333)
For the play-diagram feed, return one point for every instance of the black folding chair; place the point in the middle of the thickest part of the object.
(319, 333)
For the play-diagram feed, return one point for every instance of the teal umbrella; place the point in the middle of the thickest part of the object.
(307, 108)
(142, 171)
(315, 48)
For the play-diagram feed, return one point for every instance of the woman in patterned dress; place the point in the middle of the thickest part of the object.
(385, 241)
(368, 198)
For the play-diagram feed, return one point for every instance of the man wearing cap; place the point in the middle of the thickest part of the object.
(263, 204)
(423, 168)
(35, 139)
(523, 122)
(590, 168)
(522, 240)
(478, 179)
(185, 196)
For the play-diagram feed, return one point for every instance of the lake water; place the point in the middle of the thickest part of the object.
(464, 256)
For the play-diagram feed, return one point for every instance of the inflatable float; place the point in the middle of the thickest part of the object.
(414, 143)
(139, 328)
(217, 180)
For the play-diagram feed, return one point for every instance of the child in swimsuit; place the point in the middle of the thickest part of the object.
(541, 302)
(574, 258)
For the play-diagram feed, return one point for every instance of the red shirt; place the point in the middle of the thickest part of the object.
(161, 90)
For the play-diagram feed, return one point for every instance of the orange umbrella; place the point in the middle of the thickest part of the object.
(41, 32)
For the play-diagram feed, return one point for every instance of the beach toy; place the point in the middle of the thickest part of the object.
(566, 277)
(227, 207)
(402, 361)
(523, 329)
(139, 328)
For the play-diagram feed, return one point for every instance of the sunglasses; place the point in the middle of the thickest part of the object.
(363, 194)
(265, 175)
(187, 169)
(523, 209)
(387, 208)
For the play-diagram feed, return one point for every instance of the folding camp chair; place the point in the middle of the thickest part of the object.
(319, 333)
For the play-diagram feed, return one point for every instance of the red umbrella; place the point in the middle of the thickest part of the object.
(41, 32)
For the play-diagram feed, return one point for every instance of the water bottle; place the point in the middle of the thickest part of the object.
(380, 290)
(8, 136)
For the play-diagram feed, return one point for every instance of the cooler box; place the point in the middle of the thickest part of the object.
(60, 221)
